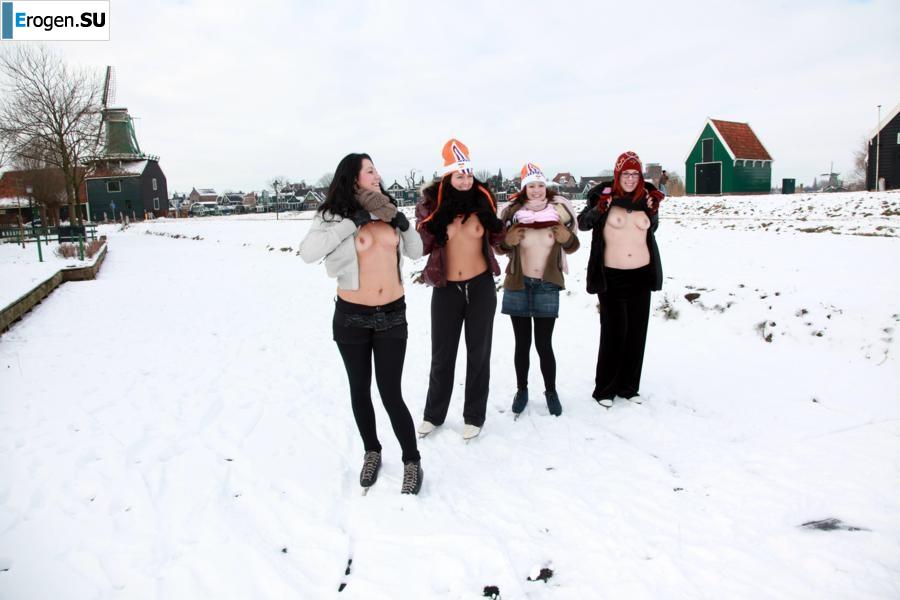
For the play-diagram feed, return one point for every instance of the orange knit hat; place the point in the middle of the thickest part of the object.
(456, 157)
(531, 173)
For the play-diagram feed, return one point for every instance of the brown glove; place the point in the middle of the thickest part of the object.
(377, 204)
(514, 236)
(561, 234)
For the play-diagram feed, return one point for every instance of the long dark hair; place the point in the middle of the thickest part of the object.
(436, 190)
(341, 197)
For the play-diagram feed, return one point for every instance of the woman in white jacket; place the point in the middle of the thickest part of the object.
(362, 237)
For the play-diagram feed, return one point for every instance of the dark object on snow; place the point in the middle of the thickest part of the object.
(349, 562)
(520, 400)
(831, 525)
(284, 550)
(491, 591)
(544, 575)
(691, 297)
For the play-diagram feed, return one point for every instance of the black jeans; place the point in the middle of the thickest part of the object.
(472, 303)
(624, 313)
(361, 333)
(543, 340)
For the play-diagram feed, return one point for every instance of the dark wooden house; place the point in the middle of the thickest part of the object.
(727, 158)
(884, 146)
(123, 181)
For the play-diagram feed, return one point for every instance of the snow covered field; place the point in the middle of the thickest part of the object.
(21, 271)
(180, 427)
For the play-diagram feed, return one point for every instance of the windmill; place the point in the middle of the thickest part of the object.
(115, 136)
(834, 182)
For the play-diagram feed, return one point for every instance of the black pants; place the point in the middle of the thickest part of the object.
(543, 340)
(472, 303)
(361, 333)
(624, 313)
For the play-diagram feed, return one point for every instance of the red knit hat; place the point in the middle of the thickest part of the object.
(628, 161)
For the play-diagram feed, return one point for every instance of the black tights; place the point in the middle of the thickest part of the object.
(389, 354)
(543, 340)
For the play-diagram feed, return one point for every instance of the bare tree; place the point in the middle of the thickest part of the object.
(860, 165)
(49, 113)
(325, 180)
(278, 183)
(48, 187)
(410, 179)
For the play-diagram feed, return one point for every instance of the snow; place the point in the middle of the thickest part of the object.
(195, 439)
(21, 270)
(10, 203)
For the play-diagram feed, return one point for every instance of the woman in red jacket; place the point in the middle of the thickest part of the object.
(457, 219)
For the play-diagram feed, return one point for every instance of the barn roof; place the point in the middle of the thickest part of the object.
(740, 140)
(884, 122)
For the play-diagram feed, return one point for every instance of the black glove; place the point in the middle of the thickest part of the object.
(400, 221)
(361, 217)
(588, 219)
(489, 220)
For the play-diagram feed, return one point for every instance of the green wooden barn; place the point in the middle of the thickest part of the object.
(727, 158)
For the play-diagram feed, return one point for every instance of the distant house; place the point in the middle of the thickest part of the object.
(403, 195)
(48, 195)
(250, 201)
(564, 179)
(231, 199)
(312, 200)
(727, 158)
(202, 195)
(886, 148)
(395, 189)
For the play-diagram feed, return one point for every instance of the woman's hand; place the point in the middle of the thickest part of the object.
(561, 234)
(400, 221)
(514, 236)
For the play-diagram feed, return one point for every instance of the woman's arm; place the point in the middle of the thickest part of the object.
(324, 237)
(412, 243)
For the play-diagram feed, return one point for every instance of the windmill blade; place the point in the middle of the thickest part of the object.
(111, 97)
(106, 80)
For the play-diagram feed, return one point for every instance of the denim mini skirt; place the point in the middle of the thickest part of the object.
(539, 299)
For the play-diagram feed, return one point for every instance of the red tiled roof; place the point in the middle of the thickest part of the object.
(565, 175)
(741, 139)
(12, 183)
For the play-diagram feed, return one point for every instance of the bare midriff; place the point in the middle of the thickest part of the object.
(534, 250)
(464, 252)
(379, 278)
(625, 239)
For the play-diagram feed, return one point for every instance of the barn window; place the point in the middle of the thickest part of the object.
(154, 184)
(739, 163)
(898, 138)
(156, 203)
(114, 186)
(707, 152)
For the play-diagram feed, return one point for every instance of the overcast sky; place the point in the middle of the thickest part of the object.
(230, 94)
